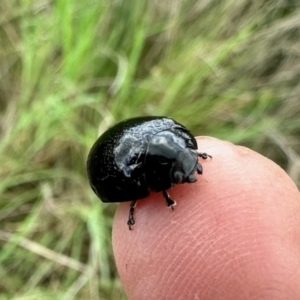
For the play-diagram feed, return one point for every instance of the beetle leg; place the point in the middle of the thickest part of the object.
(199, 169)
(131, 221)
(191, 179)
(204, 155)
(170, 202)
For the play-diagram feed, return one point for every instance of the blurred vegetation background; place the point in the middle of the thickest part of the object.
(69, 69)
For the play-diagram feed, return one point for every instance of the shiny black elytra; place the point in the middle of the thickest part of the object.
(140, 155)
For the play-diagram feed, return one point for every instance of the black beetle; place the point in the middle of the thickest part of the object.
(140, 155)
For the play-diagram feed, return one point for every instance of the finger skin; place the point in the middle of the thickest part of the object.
(234, 234)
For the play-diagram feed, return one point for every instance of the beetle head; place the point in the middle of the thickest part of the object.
(170, 159)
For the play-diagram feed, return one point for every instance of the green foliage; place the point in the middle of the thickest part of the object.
(70, 69)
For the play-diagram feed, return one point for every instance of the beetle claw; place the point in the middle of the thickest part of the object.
(131, 220)
(204, 155)
(170, 202)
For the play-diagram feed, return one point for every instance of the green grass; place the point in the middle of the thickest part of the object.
(69, 69)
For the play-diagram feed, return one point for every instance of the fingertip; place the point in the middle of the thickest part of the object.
(238, 214)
